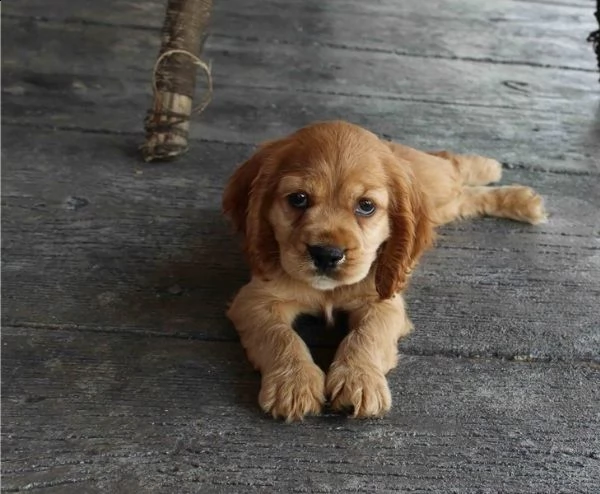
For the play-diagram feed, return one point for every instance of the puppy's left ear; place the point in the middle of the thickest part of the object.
(246, 200)
(411, 231)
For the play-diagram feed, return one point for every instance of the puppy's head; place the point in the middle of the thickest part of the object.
(329, 204)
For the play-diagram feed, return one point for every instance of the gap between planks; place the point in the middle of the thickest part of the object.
(404, 352)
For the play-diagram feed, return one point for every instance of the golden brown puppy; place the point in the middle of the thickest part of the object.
(334, 217)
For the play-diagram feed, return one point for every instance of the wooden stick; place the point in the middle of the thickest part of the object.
(174, 79)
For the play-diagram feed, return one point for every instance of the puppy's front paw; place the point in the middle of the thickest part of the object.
(363, 388)
(293, 392)
(524, 204)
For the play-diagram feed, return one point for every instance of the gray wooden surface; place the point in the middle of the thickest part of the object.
(120, 372)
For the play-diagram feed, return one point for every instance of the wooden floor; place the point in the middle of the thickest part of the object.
(120, 373)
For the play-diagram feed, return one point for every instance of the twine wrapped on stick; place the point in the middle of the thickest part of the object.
(174, 79)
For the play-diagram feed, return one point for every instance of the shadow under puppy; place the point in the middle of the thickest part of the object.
(335, 218)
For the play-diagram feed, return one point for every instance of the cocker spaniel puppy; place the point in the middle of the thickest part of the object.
(335, 218)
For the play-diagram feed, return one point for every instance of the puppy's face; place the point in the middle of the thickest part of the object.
(326, 205)
(329, 210)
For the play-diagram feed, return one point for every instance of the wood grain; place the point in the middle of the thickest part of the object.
(320, 68)
(516, 119)
(121, 374)
(515, 135)
(125, 413)
(504, 31)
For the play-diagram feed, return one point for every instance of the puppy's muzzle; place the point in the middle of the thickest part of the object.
(326, 257)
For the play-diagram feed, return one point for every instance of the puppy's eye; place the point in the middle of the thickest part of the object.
(298, 200)
(365, 207)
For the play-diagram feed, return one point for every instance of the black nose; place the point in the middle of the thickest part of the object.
(326, 257)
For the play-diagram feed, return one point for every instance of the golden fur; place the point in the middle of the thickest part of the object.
(336, 165)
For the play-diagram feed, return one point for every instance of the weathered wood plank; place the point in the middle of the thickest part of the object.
(120, 413)
(501, 31)
(145, 249)
(120, 371)
(53, 48)
(513, 134)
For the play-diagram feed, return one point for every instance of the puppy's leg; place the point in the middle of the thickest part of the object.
(356, 377)
(515, 202)
(292, 384)
(473, 169)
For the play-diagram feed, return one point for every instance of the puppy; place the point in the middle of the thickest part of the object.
(335, 218)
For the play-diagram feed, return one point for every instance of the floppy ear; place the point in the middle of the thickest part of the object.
(411, 231)
(246, 200)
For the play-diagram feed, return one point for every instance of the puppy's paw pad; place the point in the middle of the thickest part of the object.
(293, 392)
(526, 205)
(361, 388)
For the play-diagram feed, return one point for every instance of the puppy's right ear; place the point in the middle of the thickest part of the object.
(411, 230)
(246, 201)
